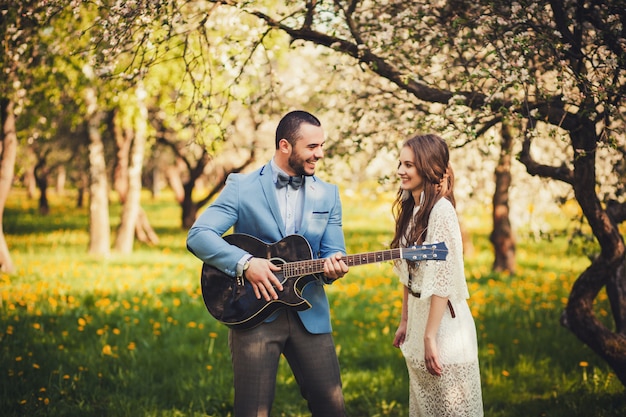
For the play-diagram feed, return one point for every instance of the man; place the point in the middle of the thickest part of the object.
(269, 205)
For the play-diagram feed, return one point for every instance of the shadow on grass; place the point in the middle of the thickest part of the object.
(573, 404)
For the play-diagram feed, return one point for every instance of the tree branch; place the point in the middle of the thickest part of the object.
(377, 65)
(616, 211)
(561, 173)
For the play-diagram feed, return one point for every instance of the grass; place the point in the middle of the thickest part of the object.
(129, 335)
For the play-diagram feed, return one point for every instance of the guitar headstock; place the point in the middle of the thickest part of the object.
(425, 252)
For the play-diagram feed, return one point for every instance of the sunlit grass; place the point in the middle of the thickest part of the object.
(129, 335)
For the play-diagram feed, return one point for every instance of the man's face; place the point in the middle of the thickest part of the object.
(307, 150)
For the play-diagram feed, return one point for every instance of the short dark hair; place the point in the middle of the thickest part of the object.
(289, 126)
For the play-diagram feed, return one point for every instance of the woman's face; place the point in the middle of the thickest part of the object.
(410, 179)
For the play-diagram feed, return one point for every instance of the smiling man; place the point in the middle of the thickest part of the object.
(282, 198)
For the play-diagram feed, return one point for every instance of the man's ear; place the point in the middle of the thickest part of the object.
(284, 146)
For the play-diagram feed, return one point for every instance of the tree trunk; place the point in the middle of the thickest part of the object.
(144, 231)
(130, 213)
(29, 173)
(502, 235)
(82, 184)
(158, 181)
(123, 141)
(8, 152)
(580, 318)
(176, 183)
(60, 180)
(189, 208)
(99, 224)
(41, 173)
(606, 270)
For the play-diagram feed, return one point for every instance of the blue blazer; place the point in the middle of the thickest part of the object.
(248, 204)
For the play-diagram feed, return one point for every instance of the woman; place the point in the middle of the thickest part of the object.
(436, 334)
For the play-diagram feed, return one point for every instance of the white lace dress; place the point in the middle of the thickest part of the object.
(457, 392)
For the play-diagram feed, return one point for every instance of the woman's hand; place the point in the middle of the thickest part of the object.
(431, 357)
(398, 339)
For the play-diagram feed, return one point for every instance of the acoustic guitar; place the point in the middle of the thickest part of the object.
(232, 301)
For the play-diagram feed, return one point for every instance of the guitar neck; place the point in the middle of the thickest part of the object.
(316, 266)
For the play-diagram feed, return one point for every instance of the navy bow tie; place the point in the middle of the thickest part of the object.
(283, 180)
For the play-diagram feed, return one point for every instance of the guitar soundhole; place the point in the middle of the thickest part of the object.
(279, 274)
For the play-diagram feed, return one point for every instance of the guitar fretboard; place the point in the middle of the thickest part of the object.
(316, 266)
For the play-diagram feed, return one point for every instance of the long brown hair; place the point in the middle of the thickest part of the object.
(432, 161)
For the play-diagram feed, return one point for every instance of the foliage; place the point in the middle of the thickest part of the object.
(130, 335)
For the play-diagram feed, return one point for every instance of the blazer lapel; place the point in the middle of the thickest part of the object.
(269, 189)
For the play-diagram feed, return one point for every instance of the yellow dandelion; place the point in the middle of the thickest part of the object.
(36, 366)
(192, 324)
(583, 364)
(106, 350)
(209, 367)
(383, 315)
(213, 335)
(505, 372)
(82, 322)
(116, 331)
(132, 346)
(66, 377)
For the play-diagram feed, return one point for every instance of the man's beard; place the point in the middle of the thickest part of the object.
(297, 165)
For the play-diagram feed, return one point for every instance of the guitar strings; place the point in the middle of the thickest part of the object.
(313, 266)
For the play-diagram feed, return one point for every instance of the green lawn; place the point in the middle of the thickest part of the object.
(129, 335)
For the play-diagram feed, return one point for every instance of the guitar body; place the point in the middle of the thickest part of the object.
(234, 303)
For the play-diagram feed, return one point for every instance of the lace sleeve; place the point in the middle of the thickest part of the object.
(443, 278)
